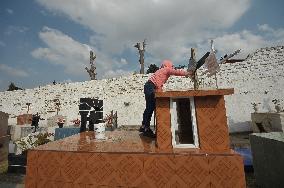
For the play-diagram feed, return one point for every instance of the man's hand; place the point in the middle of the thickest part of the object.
(159, 90)
(189, 74)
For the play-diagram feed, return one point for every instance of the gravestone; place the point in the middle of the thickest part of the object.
(3, 123)
(268, 158)
(65, 132)
(91, 111)
(24, 119)
(18, 132)
(52, 121)
(4, 138)
(35, 121)
(267, 122)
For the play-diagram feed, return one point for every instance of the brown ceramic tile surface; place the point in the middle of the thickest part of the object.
(164, 135)
(189, 93)
(30, 182)
(227, 171)
(48, 165)
(137, 170)
(32, 162)
(210, 114)
(127, 159)
(117, 142)
(212, 123)
(158, 170)
(90, 168)
(193, 171)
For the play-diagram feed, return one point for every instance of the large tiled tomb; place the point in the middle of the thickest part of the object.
(191, 150)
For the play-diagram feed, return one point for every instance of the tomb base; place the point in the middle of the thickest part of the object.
(127, 159)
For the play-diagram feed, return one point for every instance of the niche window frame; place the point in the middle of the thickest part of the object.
(174, 123)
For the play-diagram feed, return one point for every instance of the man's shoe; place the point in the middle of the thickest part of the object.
(142, 129)
(149, 133)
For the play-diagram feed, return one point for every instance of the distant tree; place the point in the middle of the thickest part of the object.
(152, 68)
(13, 87)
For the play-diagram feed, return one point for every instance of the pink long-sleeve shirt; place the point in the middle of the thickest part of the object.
(160, 77)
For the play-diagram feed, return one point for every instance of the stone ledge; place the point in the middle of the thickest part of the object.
(200, 92)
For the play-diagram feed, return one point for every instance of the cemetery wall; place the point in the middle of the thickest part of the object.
(259, 79)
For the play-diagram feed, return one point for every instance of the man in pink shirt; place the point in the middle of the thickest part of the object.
(154, 84)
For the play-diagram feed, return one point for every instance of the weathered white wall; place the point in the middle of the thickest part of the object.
(259, 79)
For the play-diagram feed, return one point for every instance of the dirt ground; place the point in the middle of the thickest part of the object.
(12, 180)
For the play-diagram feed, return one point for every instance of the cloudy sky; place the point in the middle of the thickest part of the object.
(46, 40)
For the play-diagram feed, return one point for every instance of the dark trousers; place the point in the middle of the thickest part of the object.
(149, 91)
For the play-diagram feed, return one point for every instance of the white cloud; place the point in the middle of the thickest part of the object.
(276, 35)
(247, 41)
(13, 71)
(264, 27)
(10, 11)
(116, 73)
(72, 55)
(62, 50)
(123, 61)
(67, 81)
(15, 29)
(170, 27)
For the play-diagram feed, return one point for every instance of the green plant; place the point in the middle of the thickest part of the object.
(13, 87)
(42, 138)
(33, 140)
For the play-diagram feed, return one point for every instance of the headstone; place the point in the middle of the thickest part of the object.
(52, 121)
(268, 158)
(3, 123)
(91, 111)
(96, 116)
(24, 119)
(35, 121)
(18, 132)
(4, 149)
(65, 132)
(267, 122)
(4, 139)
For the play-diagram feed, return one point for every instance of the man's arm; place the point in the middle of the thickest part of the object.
(180, 73)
